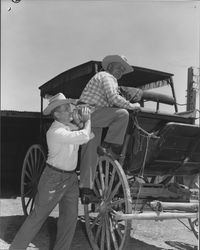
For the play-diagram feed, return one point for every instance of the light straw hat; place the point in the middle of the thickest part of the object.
(54, 102)
(116, 58)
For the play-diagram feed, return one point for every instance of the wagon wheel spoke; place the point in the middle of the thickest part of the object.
(117, 202)
(37, 160)
(106, 175)
(114, 240)
(28, 186)
(27, 193)
(118, 228)
(107, 232)
(103, 235)
(40, 170)
(104, 232)
(28, 172)
(27, 204)
(36, 157)
(101, 176)
(98, 186)
(40, 163)
(29, 169)
(114, 191)
(119, 231)
(111, 180)
(32, 168)
(32, 204)
(95, 221)
(96, 190)
(32, 159)
(98, 231)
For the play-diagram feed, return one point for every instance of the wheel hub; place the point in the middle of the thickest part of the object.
(104, 207)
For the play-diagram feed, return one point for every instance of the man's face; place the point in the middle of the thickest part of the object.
(116, 69)
(64, 113)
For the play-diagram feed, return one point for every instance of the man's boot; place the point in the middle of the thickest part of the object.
(88, 196)
(110, 149)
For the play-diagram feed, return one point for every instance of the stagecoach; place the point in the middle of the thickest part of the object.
(156, 176)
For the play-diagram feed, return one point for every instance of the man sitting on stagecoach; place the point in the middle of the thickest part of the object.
(110, 110)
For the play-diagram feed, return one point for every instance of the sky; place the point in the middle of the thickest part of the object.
(42, 38)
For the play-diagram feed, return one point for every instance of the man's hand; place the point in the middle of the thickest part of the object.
(84, 113)
(135, 107)
(81, 115)
(77, 118)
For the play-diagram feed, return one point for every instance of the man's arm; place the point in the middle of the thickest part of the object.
(81, 136)
(113, 96)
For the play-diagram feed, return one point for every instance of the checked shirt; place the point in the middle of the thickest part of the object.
(102, 91)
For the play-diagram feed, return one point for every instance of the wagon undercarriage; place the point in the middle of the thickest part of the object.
(124, 199)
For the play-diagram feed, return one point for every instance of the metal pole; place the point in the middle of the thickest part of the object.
(173, 93)
(198, 80)
(199, 214)
(41, 119)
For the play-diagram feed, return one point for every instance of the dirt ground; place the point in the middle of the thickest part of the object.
(145, 235)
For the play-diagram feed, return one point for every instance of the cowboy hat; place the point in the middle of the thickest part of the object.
(116, 58)
(55, 101)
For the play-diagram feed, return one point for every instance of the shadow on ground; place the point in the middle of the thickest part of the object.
(46, 237)
(181, 245)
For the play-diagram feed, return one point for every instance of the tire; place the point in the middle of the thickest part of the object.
(111, 185)
(33, 166)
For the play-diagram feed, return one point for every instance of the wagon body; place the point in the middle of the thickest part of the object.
(72, 82)
(160, 159)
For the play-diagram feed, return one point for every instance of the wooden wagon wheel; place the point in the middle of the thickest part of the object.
(111, 185)
(194, 185)
(33, 166)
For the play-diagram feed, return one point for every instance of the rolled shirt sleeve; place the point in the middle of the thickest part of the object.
(62, 135)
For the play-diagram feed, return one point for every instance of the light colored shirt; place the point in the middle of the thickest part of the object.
(63, 145)
(102, 91)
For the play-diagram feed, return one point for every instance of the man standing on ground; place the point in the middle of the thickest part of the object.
(58, 183)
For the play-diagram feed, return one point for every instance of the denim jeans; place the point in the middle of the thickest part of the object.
(53, 188)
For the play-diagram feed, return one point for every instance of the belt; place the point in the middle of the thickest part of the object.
(60, 170)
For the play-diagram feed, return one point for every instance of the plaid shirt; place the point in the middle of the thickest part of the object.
(102, 91)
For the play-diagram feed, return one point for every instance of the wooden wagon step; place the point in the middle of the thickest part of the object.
(167, 206)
